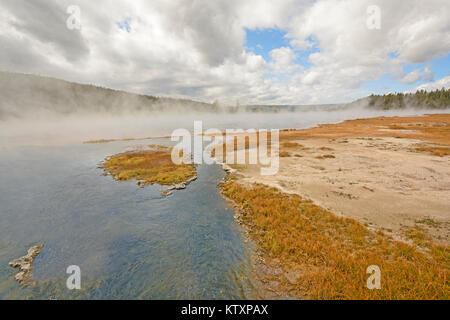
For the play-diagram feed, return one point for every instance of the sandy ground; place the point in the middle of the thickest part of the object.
(382, 182)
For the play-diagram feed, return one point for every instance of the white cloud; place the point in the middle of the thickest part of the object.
(283, 61)
(424, 74)
(436, 85)
(197, 48)
(351, 54)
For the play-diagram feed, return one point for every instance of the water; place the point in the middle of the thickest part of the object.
(130, 243)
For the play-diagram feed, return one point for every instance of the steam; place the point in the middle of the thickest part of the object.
(43, 111)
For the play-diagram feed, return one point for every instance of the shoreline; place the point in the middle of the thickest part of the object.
(265, 268)
(277, 277)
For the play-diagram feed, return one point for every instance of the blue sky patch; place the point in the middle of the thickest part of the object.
(124, 25)
(386, 84)
(262, 41)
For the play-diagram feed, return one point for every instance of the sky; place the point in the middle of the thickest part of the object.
(233, 51)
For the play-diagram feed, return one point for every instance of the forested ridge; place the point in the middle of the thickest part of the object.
(438, 99)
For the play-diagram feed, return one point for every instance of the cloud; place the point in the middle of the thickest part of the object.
(351, 54)
(196, 49)
(283, 61)
(424, 74)
(41, 21)
(436, 85)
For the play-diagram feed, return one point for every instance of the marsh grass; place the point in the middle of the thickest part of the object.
(149, 167)
(331, 254)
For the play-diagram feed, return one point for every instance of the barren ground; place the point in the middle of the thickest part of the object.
(372, 171)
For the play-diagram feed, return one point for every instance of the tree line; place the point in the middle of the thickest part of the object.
(438, 99)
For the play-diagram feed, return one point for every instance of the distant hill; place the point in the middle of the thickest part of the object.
(23, 95)
(438, 99)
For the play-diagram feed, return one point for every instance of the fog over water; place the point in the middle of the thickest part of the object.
(74, 129)
(38, 110)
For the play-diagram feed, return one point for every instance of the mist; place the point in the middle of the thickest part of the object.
(36, 110)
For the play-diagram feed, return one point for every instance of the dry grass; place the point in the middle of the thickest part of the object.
(429, 222)
(432, 128)
(220, 151)
(326, 156)
(437, 151)
(148, 167)
(291, 145)
(108, 140)
(331, 254)
(122, 139)
(284, 154)
(417, 235)
(99, 141)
